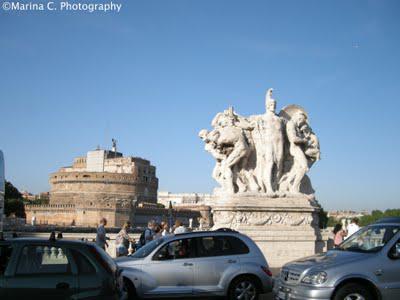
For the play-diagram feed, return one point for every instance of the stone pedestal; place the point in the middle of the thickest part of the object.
(284, 228)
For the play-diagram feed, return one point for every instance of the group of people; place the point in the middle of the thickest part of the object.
(340, 233)
(126, 245)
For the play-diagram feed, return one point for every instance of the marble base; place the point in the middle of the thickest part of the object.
(285, 229)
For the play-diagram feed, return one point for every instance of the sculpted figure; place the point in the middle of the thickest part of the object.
(267, 134)
(228, 144)
(296, 144)
(311, 148)
(265, 153)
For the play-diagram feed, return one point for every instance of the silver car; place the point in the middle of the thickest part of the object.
(209, 263)
(366, 266)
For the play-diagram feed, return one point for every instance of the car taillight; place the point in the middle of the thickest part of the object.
(266, 271)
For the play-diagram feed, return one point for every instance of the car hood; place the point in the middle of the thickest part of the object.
(127, 261)
(323, 261)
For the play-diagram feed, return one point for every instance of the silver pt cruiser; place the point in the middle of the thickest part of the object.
(366, 266)
(210, 263)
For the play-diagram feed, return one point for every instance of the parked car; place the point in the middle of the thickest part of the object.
(57, 269)
(365, 266)
(210, 263)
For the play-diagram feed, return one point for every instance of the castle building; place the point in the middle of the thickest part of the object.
(104, 183)
(104, 178)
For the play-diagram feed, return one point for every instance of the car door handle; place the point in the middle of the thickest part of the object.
(231, 261)
(378, 272)
(187, 264)
(62, 286)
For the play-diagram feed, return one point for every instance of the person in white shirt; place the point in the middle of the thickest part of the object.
(179, 227)
(352, 227)
(164, 228)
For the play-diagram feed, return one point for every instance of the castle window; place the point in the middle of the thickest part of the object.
(91, 203)
(86, 176)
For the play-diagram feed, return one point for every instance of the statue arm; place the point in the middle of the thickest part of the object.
(244, 123)
(292, 134)
(216, 154)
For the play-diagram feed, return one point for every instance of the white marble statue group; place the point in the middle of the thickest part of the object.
(266, 153)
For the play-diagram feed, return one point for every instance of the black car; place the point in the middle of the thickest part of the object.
(56, 269)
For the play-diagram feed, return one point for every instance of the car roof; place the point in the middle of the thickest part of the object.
(25, 240)
(223, 232)
(389, 220)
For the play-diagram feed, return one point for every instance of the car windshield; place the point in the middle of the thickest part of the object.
(369, 239)
(147, 249)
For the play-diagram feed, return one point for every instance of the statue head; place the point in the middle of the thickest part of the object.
(299, 118)
(224, 119)
(270, 103)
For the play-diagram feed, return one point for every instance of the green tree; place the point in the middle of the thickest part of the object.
(13, 202)
(11, 192)
(332, 222)
(377, 214)
(323, 218)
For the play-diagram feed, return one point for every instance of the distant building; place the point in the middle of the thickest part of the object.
(28, 196)
(347, 214)
(189, 201)
(178, 199)
(104, 183)
(102, 177)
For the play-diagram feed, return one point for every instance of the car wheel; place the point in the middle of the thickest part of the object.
(129, 288)
(353, 291)
(244, 288)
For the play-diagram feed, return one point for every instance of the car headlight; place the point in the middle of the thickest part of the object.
(315, 278)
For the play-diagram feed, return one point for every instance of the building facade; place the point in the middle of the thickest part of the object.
(177, 199)
(104, 183)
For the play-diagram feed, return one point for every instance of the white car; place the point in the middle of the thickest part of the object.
(213, 263)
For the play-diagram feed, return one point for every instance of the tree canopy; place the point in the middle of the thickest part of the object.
(13, 203)
(377, 214)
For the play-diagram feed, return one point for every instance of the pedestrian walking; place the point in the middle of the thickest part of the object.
(179, 227)
(164, 228)
(339, 234)
(101, 237)
(123, 240)
(157, 232)
(147, 234)
(353, 227)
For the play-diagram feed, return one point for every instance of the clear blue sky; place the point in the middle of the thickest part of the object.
(155, 74)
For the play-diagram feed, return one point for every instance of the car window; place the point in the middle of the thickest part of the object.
(83, 264)
(393, 252)
(370, 239)
(5, 255)
(220, 245)
(148, 248)
(37, 259)
(178, 249)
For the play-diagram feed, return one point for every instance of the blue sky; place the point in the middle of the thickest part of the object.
(156, 73)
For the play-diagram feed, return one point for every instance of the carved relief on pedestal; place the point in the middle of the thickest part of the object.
(234, 219)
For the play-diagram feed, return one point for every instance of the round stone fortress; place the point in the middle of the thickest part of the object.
(104, 183)
(104, 177)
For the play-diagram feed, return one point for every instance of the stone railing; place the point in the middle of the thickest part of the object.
(49, 206)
